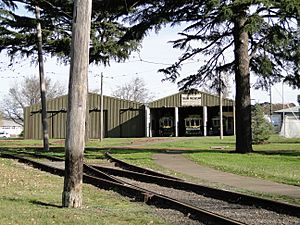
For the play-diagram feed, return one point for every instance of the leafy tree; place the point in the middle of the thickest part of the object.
(26, 93)
(261, 128)
(18, 36)
(233, 36)
(135, 90)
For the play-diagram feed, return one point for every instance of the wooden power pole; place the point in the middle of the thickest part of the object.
(101, 108)
(42, 81)
(221, 105)
(77, 99)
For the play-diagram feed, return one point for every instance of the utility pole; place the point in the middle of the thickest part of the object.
(77, 108)
(101, 107)
(270, 103)
(298, 57)
(282, 93)
(42, 80)
(221, 106)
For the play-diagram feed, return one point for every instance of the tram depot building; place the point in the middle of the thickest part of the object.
(181, 114)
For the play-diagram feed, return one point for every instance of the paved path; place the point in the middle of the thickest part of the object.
(179, 163)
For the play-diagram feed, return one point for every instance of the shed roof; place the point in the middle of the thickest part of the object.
(179, 100)
(289, 110)
(61, 102)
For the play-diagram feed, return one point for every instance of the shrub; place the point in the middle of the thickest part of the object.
(261, 128)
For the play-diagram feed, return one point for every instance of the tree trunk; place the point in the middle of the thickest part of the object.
(242, 79)
(42, 81)
(77, 98)
(297, 72)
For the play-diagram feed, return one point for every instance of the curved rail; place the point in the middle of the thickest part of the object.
(134, 168)
(228, 196)
(102, 180)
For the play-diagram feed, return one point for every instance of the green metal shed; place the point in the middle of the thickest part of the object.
(181, 114)
(121, 118)
(184, 99)
(189, 113)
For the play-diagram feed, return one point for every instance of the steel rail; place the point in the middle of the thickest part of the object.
(109, 183)
(228, 196)
(224, 195)
(134, 168)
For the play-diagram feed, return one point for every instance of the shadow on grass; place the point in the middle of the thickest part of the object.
(96, 152)
(278, 152)
(34, 149)
(35, 202)
(134, 151)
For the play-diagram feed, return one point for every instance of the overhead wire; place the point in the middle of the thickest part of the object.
(152, 62)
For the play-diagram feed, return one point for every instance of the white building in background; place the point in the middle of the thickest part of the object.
(11, 128)
(290, 122)
(290, 112)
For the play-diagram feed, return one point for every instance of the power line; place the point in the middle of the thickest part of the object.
(156, 63)
(165, 64)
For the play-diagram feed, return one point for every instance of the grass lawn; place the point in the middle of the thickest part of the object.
(19, 143)
(279, 160)
(275, 167)
(29, 196)
(278, 166)
(228, 143)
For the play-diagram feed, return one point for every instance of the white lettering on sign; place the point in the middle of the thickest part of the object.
(191, 99)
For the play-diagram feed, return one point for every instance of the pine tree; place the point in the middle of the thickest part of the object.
(261, 128)
(18, 36)
(238, 36)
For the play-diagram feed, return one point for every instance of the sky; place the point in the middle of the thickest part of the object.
(156, 53)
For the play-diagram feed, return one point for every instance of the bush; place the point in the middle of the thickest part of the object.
(261, 128)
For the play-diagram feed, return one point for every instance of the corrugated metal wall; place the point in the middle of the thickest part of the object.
(170, 101)
(121, 118)
(175, 101)
(57, 118)
(116, 122)
(114, 117)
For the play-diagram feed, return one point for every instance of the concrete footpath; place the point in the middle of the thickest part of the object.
(179, 163)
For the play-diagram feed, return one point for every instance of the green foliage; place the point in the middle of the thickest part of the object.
(235, 36)
(261, 128)
(18, 32)
(271, 26)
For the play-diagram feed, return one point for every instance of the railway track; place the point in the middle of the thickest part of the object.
(104, 181)
(224, 195)
(191, 199)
